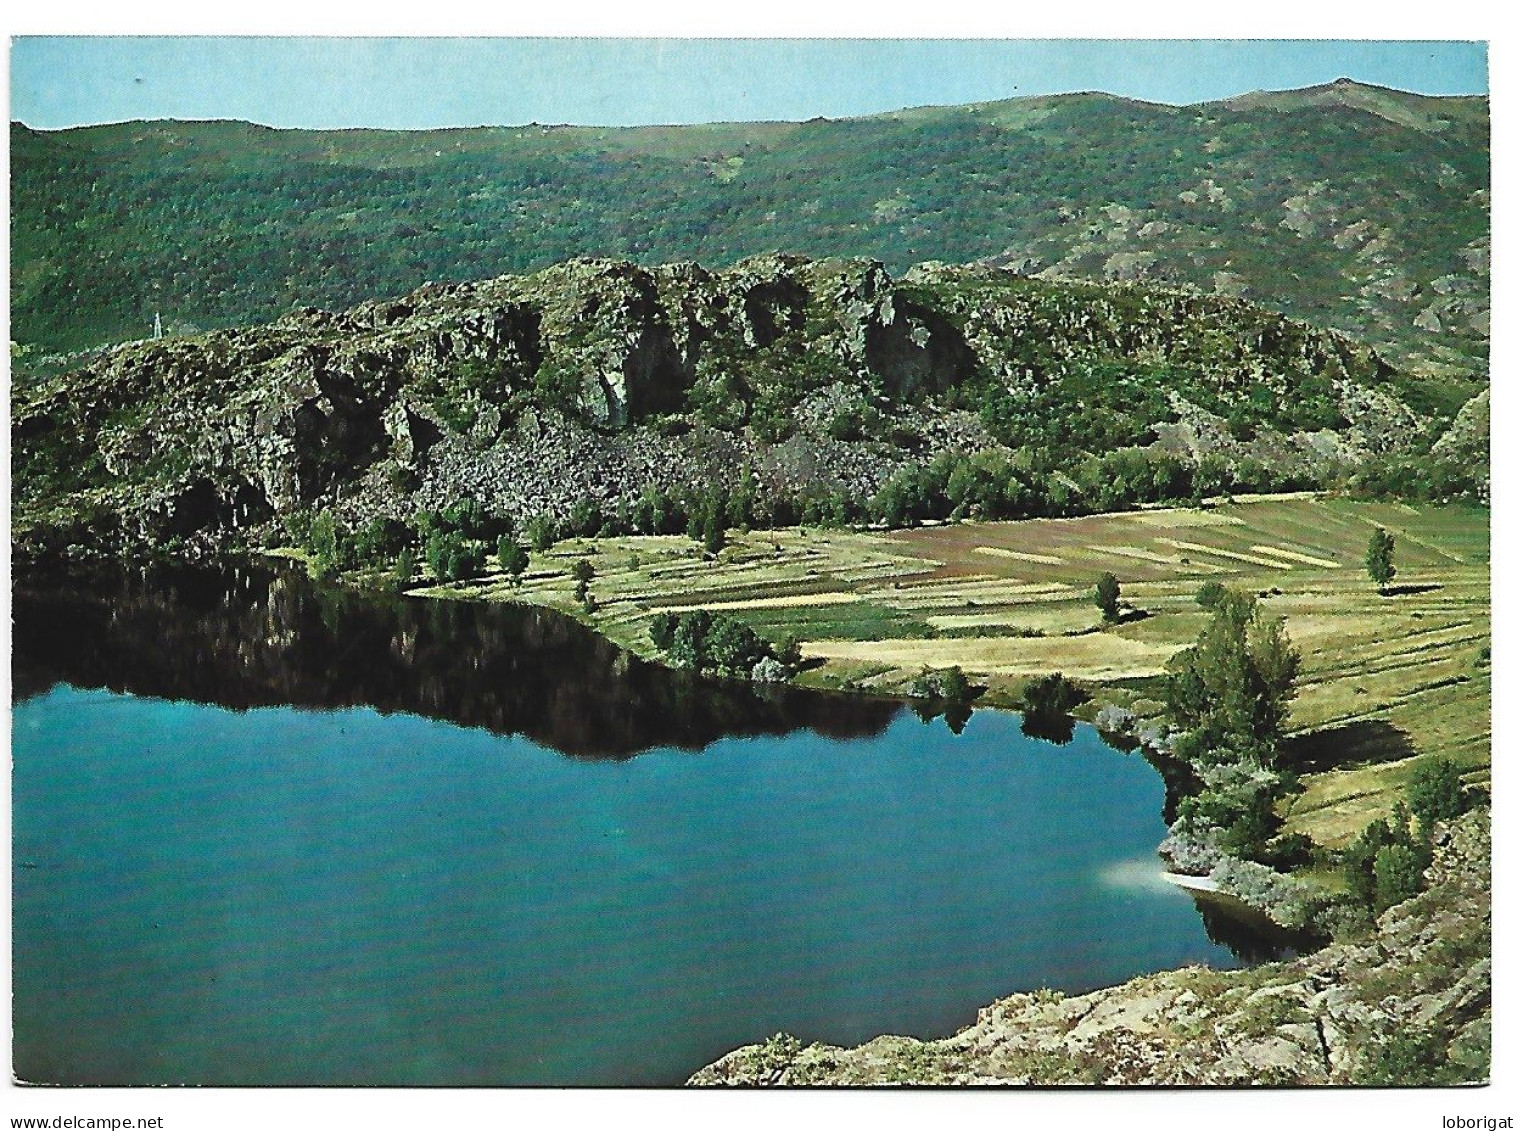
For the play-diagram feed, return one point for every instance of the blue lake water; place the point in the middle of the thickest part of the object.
(284, 895)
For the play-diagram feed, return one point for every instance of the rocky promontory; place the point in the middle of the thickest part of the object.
(597, 380)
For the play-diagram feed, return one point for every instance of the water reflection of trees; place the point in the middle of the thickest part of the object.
(250, 637)
(1056, 727)
(955, 715)
(1250, 936)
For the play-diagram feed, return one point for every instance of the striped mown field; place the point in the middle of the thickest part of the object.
(1386, 678)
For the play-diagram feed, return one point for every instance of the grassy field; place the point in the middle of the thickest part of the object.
(1386, 679)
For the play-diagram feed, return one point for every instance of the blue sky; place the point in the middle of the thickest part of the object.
(412, 83)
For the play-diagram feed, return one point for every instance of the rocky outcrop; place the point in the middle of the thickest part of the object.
(606, 340)
(1464, 451)
(1406, 1002)
(598, 378)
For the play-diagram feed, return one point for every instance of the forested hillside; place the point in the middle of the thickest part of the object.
(1352, 207)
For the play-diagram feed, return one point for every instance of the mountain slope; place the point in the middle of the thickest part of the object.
(780, 389)
(1352, 207)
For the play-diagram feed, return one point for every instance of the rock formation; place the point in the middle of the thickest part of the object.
(598, 378)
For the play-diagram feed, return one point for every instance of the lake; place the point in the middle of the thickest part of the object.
(267, 834)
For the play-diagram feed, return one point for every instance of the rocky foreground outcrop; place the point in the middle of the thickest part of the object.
(1407, 1003)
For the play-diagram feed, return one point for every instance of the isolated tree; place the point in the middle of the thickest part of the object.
(1231, 691)
(1380, 558)
(1108, 597)
(583, 571)
(1436, 793)
(541, 532)
(713, 531)
(513, 558)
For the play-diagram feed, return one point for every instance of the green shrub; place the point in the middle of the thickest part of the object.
(451, 557)
(586, 520)
(1359, 860)
(662, 628)
(1436, 793)
(1053, 694)
(511, 557)
(1231, 690)
(379, 540)
(1209, 595)
(733, 648)
(298, 527)
(470, 518)
(713, 531)
(699, 640)
(541, 532)
(405, 567)
(688, 648)
(329, 546)
(949, 685)
(1408, 1060)
(1398, 874)
(654, 512)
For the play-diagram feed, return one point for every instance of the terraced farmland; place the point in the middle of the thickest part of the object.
(1386, 678)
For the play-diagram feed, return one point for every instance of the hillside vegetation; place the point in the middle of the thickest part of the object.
(1349, 206)
(597, 396)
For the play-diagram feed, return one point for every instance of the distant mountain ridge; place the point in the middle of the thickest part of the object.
(1350, 206)
(1431, 112)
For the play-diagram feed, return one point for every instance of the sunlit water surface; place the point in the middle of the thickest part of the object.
(338, 896)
